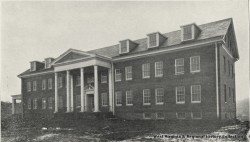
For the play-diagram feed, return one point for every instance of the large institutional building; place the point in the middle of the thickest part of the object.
(184, 74)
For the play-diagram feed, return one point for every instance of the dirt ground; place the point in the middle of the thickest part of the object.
(121, 130)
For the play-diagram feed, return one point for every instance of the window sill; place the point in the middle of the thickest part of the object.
(159, 103)
(129, 104)
(179, 73)
(146, 104)
(196, 102)
(146, 77)
(147, 118)
(159, 76)
(181, 118)
(160, 118)
(128, 79)
(180, 102)
(195, 71)
(196, 118)
(104, 105)
(118, 105)
(118, 80)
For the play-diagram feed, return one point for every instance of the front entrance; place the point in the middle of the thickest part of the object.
(90, 102)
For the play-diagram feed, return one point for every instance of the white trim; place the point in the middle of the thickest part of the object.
(191, 64)
(33, 74)
(217, 87)
(224, 47)
(166, 50)
(194, 102)
(146, 104)
(176, 95)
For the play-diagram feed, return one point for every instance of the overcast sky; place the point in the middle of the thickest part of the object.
(36, 30)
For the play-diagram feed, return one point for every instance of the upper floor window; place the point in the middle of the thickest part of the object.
(228, 68)
(146, 97)
(187, 33)
(104, 99)
(180, 94)
(29, 103)
(90, 79)
(225, 93)
(129, 98)
(78, 80)
(118, 75)
(224, 63)
(44, 103)
(60, 82)
(146, 70)
(34, 86)
(32, 66)
(158, 69)
(232, 70)
(43, 84)
(50, 83)
(60, 101)
(28, 86)
(233, 95)
(196, 115)
(78, 101)
(181, 115)
(104, 78)
(179, 66)
(153, 40)
(50, 103)
(128, 72)
(48, 62)
(195, 64)
(118, 98)
(159, 94)
(196, 93)
(124, 46)
(35, 103)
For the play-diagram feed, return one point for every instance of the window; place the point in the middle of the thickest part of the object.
(195, 64)
(34, 85)
(181, 115)
(153, 40)
(128, 73)
(129, 98)
(232, 70)
(146, 97)
(28, 86)
(118, 75)
(180, 95)
(187, 33)
(159, 115)
(179, 66)
(158, 69)
(43, 103)
(78, 101)
(50, 83)
(60, 82)
(29, 103)
(60, 102)
(104, 99)
(118, 96)
(35, 103)
(196, 93)
(147, 115)
(90, 79)
(224, 63)
(47, 63)
(146, 70)
(78, 80)
(228, 68)
(124, 46)
(196, 115)
(229, 92)
(50, 102)
(33, 66)
(104, 78)
(159, 93)
(43, 84)
(225, 93)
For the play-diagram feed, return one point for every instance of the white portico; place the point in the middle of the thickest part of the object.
(75, 60)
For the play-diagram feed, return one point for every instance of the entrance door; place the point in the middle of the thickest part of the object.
(90, 102)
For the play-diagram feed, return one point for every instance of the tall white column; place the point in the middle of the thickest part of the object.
(13, 105)
(71, 94)
(68, 90)
(56, 93)
(110, 91)
(96, 100)
(82, 90)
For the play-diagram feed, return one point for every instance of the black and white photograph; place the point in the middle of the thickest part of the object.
(141, 71)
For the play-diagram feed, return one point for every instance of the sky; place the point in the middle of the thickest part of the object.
(37, 30)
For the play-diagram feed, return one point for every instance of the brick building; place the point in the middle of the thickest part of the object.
(184, 74)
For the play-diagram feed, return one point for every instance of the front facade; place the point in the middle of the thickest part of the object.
(185, 74)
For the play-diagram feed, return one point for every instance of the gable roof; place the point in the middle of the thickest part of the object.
(209, 30)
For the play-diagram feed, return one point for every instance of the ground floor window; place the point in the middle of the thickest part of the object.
(29, 103)
(159, 93)
(146, 97)
(147, 115)
(50, 102)
(159, 115)
(196, 115)
(180, 94)
(60, 101)
(129, 98)
(43, 103)
(181, 115)
(35, 103)
(78, 100)
(104, 99)
(118, 98)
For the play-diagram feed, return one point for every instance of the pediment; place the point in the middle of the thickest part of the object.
(72, 55)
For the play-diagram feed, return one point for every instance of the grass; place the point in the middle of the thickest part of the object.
(99, 129)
